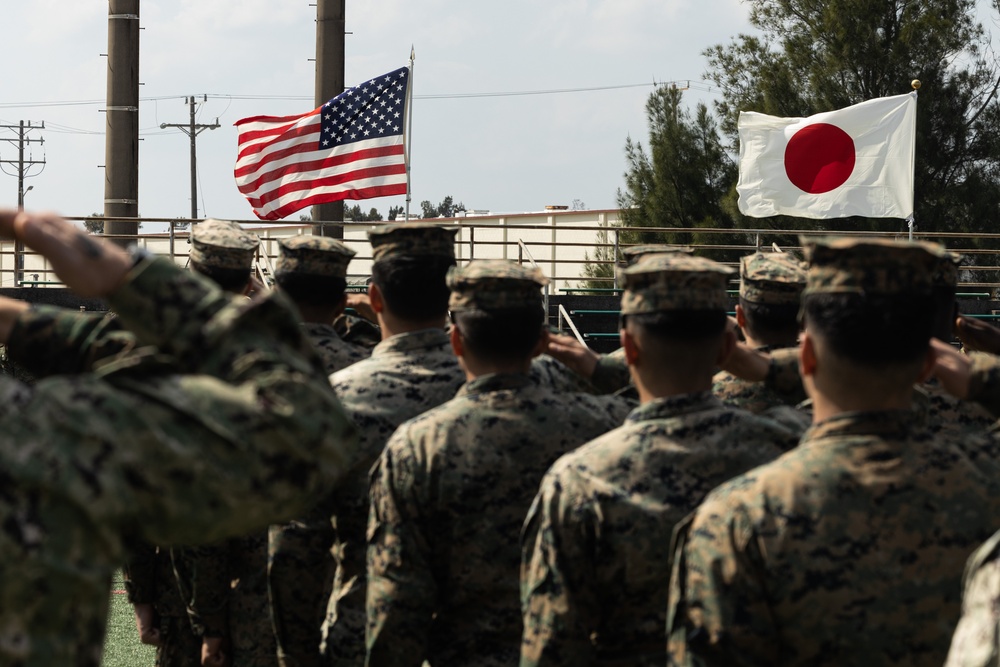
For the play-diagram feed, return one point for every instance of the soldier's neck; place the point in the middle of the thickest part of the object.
(393, 326)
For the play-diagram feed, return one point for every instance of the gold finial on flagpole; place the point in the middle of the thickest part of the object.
(915, 84)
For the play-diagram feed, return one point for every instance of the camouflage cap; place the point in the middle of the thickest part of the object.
(841, 265)
(494, 284)
(772, 278)
(313, 256)
(222, 245)
(633, 254)
(945, 270)
(412, 239)
(674, 281)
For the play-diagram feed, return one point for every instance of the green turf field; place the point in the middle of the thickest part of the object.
(122, 647)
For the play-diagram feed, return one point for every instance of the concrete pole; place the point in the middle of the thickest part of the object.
(121, 172)
(330, 25)
(193, 133)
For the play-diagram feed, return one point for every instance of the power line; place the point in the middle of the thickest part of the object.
(691, 84)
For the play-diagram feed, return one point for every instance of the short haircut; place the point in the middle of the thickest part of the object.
(771, 322)
(869, 330)
(507, 335)
(230, 280)
(317, 291)
(414, 288)
(685, 325)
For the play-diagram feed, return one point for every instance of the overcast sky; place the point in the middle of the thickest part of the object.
(252, 57)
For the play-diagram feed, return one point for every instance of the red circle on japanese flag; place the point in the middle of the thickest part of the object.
(819, 158)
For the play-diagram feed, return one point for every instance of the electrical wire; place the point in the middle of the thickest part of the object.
(684, 84)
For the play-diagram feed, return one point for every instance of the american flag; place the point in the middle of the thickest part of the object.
(349, 148)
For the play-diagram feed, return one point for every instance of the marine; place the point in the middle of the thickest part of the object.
(411, 371)
(849, 548)
(771, 287)
(596, 539)
(775, 372)
(450, 490)
(224, 585)
(206, 392)
(312, 271)
(160, 612)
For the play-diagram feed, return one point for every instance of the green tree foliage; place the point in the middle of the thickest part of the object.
(395, 212)
(679, 181)
(446, 209)
(93, 225)
(355, 214)
(811, 56)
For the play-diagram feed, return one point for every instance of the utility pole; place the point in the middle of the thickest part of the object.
(330, 25)
(192, 129)
(22, 166)
(121, 147)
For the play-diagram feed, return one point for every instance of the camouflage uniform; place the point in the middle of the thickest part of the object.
(50, 342)
(222, 244)
(976, 642)
(224, 585)
(335, 351)
(849, 548)
(225, 589)
(555, 375)
(405, 376)
(208, 400)
(848, 508)
(611, 373)
(593, 579)
(320, 257)
(772, 279)
(357, 330)
(149, 579)
(450, 492)
(297, 553)
(755, 397)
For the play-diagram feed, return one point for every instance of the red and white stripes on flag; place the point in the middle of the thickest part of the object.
(352, 147)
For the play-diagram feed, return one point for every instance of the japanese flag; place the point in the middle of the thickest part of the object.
(853, 161)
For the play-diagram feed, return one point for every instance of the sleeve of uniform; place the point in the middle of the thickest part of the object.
(558, 605)
(206, 587)
(610, 374)
(140, 574)
(984, 385)
(47, 340)
(402, 591)
(235, 426)
(976, 642)
(783, 375)
(717, 614)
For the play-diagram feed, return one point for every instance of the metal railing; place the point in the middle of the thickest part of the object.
(561, 243)
(565, 319)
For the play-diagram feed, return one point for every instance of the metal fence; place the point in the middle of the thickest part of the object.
(561, 243)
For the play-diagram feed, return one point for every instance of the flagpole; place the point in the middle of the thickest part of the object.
(409, 130)
(911, 222)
